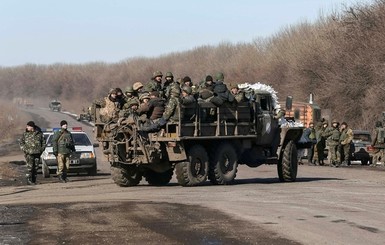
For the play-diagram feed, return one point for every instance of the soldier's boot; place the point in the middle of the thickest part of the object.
(65, 177)
(34, 178)
(29, 180)
(61, 179)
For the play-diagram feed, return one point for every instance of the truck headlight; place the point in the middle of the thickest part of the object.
(87, 155)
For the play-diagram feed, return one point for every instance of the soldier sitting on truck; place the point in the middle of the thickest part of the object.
(171, 112)
(109, 105)
(221, 92)
(189, 101)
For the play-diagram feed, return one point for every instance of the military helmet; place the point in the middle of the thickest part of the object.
(112, 91)
(335, 121)
(219, 76)
(144, 96)
(169, 74)
(157, 74)
(137, 85)
(132, 102)
(187, 89)
(129, 89)
(378, 124)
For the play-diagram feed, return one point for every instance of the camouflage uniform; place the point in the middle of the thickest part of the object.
(378, 143)
(32, 144)
(346, 139)
(155, 84)
(63, 145)
(110, 107)
(333, 140)
(321, 142)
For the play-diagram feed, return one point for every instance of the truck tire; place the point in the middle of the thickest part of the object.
(287, 165)
(158, 179)
(126, 175)
(194, 171)
(45, 170)
(223, 167)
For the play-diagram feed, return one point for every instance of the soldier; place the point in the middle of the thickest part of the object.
(169, 80)
(156, 106)
(171, 112)
(187, 81)
(332, 136)
(32, 144)
(110, 107)
(346, 139)
(143, 104)
(63, 145)
(221, 93)
(189, 101)
(238, 94)
(137, 87)
(156, 82)
(311, 135)
(378, 143)
(130, 95)
(208, 84)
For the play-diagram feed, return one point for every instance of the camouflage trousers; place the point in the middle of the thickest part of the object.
(63, 164)
(32, 161)
(335, 158)
(345, 150)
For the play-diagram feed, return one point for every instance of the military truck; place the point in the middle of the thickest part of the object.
(55, 105)
(206, 142)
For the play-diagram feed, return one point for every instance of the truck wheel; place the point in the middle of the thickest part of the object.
(287, 164)
(158, 179)
(45, 170)
(126, 175)
(364, 161)
(223, 168)
(195, 170)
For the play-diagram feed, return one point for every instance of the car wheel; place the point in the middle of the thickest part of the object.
(45, 170)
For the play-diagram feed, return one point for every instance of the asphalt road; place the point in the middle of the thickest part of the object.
(325, 206)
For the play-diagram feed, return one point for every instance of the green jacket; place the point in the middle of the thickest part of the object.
(32, 142)
(172, 109)
(332, 136)
(63, 142)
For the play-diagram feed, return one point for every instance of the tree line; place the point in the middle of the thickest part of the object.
(340, 58)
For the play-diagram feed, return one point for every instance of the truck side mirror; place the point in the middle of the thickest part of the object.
(289, 103)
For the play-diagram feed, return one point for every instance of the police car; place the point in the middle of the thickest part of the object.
(83, 160)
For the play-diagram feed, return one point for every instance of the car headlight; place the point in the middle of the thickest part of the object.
(87, 155)
(49, 157)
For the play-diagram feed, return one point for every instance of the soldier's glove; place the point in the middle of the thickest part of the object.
(152, 128)
(162, 122)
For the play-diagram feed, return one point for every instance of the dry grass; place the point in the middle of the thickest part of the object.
(340, 59)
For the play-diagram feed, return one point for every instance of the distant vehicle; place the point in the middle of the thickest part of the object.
(84, 159)
(55, 105)
(28, 104)
(359, 147)
(84, 117)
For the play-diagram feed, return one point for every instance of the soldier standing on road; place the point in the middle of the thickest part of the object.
(63, 145)
(346, 139)
(378, 143)
(311, 135)
(332, 135)
(33, 144)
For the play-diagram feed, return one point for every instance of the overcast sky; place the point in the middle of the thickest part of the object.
(81, 31)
